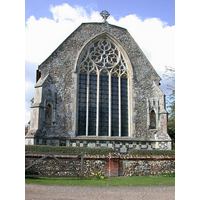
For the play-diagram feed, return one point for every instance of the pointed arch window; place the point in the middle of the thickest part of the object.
(103, 91)
(48, 114)
(152, 120)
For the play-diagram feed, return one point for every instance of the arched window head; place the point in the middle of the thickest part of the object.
(103, 90)
(104, 55)
(152, 120)
(48, 114)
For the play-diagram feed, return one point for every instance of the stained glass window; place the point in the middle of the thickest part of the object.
(82, 104)
(92, 104)
(114, 106)
(103, 74)
(124, 107)
(103, 105)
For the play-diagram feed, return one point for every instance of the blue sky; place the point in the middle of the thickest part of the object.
(163, 9)
(48, 22)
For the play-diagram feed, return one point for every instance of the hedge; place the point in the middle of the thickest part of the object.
(68, 150)
(92, 151)
(152, 152)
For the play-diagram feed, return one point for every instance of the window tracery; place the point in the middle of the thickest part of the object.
(104, 55)
(103, 99)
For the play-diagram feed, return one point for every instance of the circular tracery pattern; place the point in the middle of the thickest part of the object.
(104, 55)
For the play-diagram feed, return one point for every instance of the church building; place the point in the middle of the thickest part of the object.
(98, 89)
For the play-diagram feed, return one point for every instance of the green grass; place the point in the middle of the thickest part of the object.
(119, 181)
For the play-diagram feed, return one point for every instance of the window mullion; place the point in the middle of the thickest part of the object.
(87, 106)
(109, 105)
(97, 125)
(119, 89)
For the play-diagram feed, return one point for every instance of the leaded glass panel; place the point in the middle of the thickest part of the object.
(92, 104)
(82, 104)
(114, 106)
(103, 105)
(124, 107)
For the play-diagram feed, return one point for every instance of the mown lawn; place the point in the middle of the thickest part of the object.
(119, 181)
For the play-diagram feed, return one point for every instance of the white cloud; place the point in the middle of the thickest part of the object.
(29, 93)
(27, 116)
(155, 38)
(29, 85)
(66, 12)
(44, 35)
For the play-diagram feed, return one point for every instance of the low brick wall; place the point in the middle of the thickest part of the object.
(115, 165)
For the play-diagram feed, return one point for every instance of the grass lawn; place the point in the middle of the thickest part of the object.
(118, 181)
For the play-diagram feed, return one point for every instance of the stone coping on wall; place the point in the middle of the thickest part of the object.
(118, 139)
(100, 157)
(104, 138)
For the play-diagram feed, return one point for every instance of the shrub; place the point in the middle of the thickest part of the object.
(152, 152)
(68, 150)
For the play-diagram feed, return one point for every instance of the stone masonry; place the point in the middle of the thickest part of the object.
(54, 110)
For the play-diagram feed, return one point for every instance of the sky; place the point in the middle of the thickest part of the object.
(49, 22)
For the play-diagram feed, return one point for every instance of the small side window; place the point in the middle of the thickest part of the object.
(152, 120)
(48, 115)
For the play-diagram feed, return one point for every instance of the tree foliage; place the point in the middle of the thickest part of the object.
(170, 75)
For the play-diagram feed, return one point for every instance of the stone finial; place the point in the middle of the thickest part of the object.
(105, 14)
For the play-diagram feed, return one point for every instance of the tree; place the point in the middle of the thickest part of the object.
(170, 75)
(171, 119)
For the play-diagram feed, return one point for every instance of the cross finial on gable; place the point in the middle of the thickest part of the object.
(105, 14)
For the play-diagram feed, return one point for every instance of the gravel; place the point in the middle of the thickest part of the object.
(33, 191)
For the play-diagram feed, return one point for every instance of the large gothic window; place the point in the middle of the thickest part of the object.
(103, 91)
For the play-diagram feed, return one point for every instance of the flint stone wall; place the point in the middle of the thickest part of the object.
(115, 165)
(57, 85)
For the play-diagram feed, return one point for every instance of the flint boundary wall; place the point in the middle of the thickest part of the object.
(114, 165)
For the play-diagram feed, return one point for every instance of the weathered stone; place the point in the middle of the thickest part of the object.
(91, 145)
(121, 166)
(123, 150)
(54, 109)
(104, 145)
(74, 144)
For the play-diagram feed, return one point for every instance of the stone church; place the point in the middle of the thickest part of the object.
(98, 89)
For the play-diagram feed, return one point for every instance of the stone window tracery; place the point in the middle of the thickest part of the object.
(103, 91)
